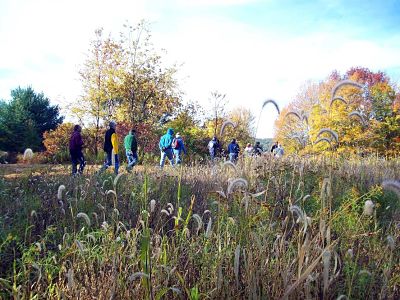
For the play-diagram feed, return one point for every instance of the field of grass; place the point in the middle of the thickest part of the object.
(293, 228)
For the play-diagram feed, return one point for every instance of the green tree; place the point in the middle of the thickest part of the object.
(149, 89)
(25, 118)
(101, 84)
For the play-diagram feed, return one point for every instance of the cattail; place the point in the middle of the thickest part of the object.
(392, 185)
(28, 154)
(338, 98)
(358, 116)
(343, 83)
(226, 123)
(273, 102)
(236, 182)
(61, 188)
(84, 217)
(152, 205)
(330, 131)
(369, 208)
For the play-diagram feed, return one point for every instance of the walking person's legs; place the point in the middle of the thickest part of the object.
(74, 162)
(116, 166)
(162, 160)
(170, 156)
(177, 156)
(82, 162)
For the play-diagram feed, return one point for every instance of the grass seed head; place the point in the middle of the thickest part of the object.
(85, 217)
(61, 188)
(369, 208)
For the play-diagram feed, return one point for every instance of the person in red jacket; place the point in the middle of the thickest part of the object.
(75, 150)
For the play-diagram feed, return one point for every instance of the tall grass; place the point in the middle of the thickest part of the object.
(264, 228)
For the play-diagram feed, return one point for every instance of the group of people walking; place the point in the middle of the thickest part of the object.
(171, 146)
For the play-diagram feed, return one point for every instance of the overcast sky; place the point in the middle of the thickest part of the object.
(251, 50)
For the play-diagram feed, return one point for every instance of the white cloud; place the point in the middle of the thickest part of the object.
(46, 41)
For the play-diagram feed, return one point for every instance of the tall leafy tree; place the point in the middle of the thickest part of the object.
(149, 90)
(100, 81)
(366, 119)
(25, 118)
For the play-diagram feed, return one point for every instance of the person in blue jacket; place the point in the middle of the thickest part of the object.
(165, 146)
(233, 150)
(178, 147)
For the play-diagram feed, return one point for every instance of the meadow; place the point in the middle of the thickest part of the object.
(266, 228)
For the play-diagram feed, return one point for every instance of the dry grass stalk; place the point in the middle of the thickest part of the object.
(337, 98)
(273, 102)
(226, 123)
(343, 83)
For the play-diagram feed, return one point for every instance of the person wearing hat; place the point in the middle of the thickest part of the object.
(178, 147)
(165, 146)
(111, 148)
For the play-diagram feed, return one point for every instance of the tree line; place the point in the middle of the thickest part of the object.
(126, 79)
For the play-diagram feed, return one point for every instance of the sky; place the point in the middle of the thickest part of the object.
(250, 50)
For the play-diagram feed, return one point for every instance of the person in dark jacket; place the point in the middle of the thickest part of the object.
(165, 146)
(233, 150)
(258, 149)
(178, 147)
(131, 148)
(111, 148)
(75, 150)
(274, 146)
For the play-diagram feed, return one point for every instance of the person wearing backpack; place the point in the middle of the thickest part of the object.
(213, 146)
(258, 149)
(165, 146)
(233, 150)
(130, 144)
(178, 147)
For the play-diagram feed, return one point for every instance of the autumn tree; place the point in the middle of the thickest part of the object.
(100, 81)
(149, 90)
(363, 117)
